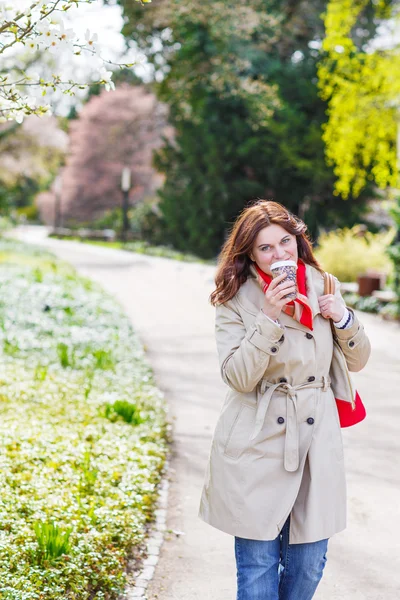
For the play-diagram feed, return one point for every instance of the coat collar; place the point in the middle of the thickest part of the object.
(251, 298)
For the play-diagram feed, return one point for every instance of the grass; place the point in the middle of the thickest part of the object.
(142, 247)
(83, 434)
(52, 540)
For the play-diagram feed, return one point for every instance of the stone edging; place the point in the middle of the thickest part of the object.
(154, 543)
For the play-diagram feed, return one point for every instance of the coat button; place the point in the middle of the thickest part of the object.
(351, 344)
(309, 336)
(281, 420)
(283, 380)
(310, 421)
(312, 378)
(274, 349)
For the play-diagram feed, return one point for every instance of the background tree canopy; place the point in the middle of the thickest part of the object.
(362, 87)
(241, 85)
(31, 154)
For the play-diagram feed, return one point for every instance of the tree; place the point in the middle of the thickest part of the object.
(240, 81)
(362, 88)
(112, 131)
(31, 154)
(29, 31)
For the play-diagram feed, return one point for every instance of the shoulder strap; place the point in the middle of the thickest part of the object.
(329, 288)
(329, 283)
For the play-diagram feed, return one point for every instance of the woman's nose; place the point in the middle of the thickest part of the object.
(279, 253)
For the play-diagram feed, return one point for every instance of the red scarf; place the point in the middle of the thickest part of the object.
(299, 308)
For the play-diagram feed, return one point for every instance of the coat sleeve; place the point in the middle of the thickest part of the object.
(244, 356)
(353, 341)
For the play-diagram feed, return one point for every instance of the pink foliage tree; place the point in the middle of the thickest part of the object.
(113, 131)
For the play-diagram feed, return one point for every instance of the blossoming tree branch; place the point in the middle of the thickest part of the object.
(29, 28)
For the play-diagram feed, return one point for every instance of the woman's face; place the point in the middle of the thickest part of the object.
(271, 244)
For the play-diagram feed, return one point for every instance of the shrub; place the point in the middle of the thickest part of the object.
(390, 311)
(5, 223)
(394, 252)
(28, 213)
(347, 254)
(369, 304)
(351, 299)
(147, 222)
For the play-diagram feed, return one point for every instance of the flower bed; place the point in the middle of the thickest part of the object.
(83, 434)
(374, 304)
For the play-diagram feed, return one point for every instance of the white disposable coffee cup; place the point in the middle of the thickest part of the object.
(290, 268)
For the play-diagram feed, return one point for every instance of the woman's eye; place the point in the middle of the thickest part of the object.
(286, 240)
(265, 248)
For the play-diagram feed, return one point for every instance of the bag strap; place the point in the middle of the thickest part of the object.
(329, 288)
(329, 283)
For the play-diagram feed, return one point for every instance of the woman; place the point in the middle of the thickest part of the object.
(275, 478)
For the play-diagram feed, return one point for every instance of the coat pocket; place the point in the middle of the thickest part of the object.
(240, 431)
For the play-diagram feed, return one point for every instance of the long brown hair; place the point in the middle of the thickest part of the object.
(234, 261)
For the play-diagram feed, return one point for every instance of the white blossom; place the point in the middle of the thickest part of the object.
(31, 45)
(66, 35)
(106, 76)
(91, 39)
(46, 32)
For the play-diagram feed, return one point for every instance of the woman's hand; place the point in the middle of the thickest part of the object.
(275, 295)
(331, 307)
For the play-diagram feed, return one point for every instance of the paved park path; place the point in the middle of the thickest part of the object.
(167, 302)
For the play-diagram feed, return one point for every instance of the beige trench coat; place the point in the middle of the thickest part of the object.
(277, 447)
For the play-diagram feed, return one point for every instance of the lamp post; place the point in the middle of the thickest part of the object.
(57, 186)
(125, 187)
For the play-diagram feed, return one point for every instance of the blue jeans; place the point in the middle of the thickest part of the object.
(277, 570)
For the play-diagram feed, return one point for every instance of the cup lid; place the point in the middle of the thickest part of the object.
(283, 263)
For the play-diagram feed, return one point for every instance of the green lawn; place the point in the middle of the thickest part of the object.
(142, 247)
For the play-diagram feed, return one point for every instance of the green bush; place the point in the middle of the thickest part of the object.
(351, 299)
(111, 219)
(369, 304)
(390, 311)
(347, 254)
(394, 252)
(147, 222)
(29, 213)
(5, 224)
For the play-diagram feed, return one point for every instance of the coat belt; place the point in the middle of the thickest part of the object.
(291, 457)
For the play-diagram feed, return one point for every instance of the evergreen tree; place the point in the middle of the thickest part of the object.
(241, 84)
